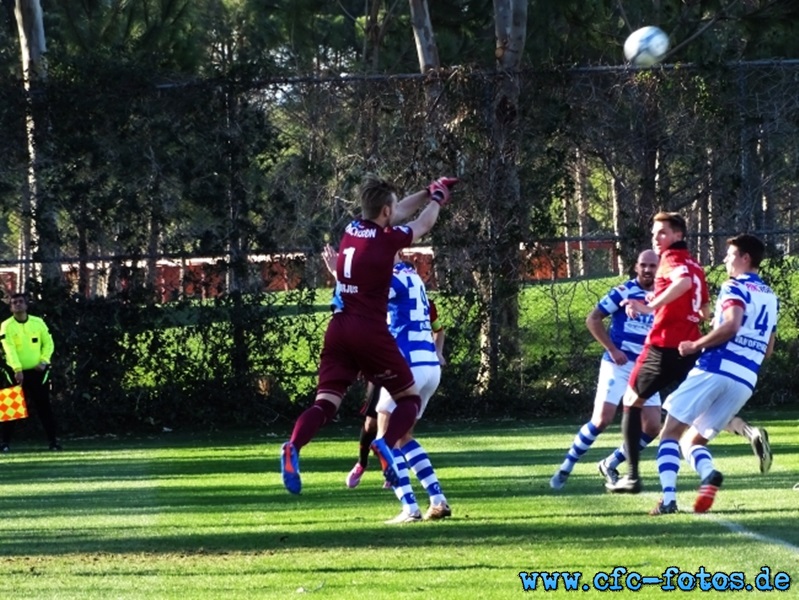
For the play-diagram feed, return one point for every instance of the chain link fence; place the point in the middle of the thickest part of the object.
(189, 219)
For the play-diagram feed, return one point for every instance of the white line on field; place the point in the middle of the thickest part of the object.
(740, 529)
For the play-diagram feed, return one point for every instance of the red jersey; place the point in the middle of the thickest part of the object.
(678, 320)
(364, 267)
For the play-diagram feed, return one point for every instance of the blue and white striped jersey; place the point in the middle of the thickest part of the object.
(409, 316)
(627, 334)
(336, 302)
(740, 358)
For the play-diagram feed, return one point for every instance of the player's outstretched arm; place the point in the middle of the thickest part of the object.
(409, 206)
(422, 224)
(438, 190)
(439, 193)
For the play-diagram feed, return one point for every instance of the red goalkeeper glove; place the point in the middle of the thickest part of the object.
(440, 189)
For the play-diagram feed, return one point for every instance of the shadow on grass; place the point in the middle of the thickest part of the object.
(229, 498)
(674, 533)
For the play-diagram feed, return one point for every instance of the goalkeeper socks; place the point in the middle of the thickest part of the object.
(423, 469)
(311, 421)
(402, 419)
(582, 442)
(668, 461)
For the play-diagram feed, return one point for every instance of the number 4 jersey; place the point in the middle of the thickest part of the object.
(740, 358)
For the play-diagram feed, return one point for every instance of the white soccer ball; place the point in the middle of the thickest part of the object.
(646, 46)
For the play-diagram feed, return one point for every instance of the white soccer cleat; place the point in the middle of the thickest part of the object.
(558, 480)
(405, 517)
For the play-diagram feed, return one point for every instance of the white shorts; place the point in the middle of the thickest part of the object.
(427, 378)
(612, 383)
(707, 401)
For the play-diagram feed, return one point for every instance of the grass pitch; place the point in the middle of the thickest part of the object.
(195, 517)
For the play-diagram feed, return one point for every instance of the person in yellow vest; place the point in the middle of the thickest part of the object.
(28, 346)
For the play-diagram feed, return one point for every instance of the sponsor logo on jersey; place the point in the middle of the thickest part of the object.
(748, 342)
(357, 230)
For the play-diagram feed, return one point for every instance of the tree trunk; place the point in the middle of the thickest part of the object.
(237, 244)
(429, 62)
(499, 281)
(749, 169)
(581, 191)
(40, 232)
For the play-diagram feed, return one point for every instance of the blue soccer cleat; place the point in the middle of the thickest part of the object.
(290, 468)
(387, 463)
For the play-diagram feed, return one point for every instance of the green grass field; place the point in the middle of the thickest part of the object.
(196, 517)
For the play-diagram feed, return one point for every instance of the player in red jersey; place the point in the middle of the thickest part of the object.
(357, 339)
(680, 303)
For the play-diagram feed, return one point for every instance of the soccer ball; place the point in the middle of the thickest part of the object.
(646, 46)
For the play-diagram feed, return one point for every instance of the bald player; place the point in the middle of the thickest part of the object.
(623, 341)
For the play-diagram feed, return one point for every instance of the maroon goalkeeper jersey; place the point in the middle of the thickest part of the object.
(364, 267)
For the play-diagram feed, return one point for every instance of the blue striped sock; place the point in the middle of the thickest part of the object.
(618, 456)
(701, 460)
(668, 461)
(423, 469)
(582, 442)
(404, 491)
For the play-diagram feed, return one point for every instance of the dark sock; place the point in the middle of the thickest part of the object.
(631, 430)
(367, 437)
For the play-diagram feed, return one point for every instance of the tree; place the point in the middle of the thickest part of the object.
(39, 228)
(499, 281)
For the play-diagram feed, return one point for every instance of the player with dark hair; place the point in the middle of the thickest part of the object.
(623, 341)
(743, 335)
(357, 339)
(680, 304)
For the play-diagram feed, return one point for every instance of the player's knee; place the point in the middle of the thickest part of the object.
(404, 439)
(651, 429)
(328, 409)
(602, 418)
(413, 398)
(370, 424)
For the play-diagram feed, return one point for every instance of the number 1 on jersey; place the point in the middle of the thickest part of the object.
(348, 254)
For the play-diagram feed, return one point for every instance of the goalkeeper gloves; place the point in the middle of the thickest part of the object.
(440, 189)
